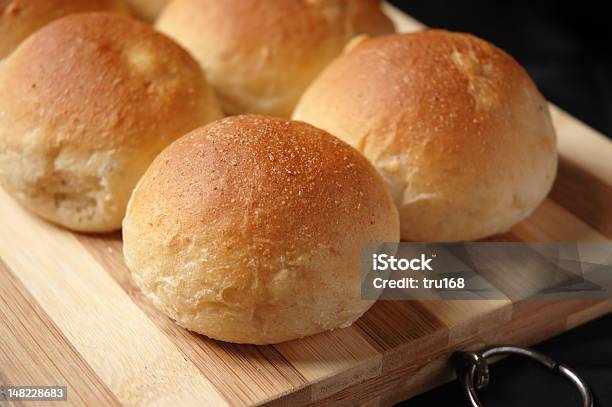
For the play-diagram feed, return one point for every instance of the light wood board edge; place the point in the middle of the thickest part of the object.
(134, 358)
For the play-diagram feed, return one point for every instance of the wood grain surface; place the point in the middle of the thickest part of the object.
(70, 315)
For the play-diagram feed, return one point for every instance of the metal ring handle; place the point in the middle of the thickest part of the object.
(473, 371)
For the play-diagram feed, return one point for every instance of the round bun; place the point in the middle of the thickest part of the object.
(20, 18)
(249, 230)
(261, 55)
(147, 10)
(87, 103)
(455, 126)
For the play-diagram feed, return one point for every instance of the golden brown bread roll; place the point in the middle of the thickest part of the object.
(87, 103)
(20, 18)
(455, 126)
(249, 230)
(147, 10)
(261, 55)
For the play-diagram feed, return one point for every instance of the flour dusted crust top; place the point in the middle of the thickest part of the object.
(87, 103)
(456, 127)
(250, 229)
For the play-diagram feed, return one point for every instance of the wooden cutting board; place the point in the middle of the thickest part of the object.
(69, 315)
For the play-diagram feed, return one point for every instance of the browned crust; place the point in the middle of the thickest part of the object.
(284, 182)
(103, 71)
(260, 56)
(87, 103)
(455, 125)
(20, 18)
(250, 230)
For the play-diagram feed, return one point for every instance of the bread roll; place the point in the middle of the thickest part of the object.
(261, 55)
(147, 10)
(455, 126)
(20, 18)
(249, 230)
(87, 103)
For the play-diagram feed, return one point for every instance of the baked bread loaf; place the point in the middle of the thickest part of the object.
(456, 127)
(20, 18)
(261, 55)
(87, 103)
(249, 230)
(147, 10)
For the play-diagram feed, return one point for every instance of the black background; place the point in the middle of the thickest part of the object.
(564, 48)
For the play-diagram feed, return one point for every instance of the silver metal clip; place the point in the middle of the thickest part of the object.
(473, 371)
